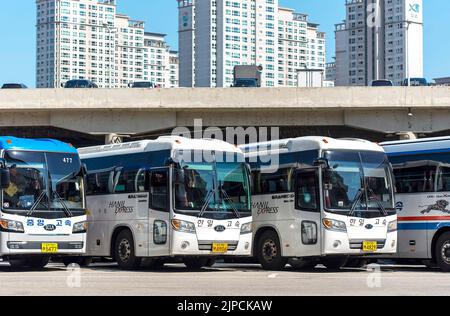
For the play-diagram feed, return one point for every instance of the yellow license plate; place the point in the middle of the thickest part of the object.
(370, 246)
(219, 248)
(49, 248)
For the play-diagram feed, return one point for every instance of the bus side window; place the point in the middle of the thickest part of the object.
(444, 181)
(306, 195)
(98, 183)
(159, 190)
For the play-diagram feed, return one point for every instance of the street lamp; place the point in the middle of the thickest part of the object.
(111, 30)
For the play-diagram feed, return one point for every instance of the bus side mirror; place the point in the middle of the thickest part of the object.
(322, 163)
(84, 169)
(5, 178)
(169, 162)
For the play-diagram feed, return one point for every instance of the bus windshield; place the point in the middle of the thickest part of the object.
(358, 182)
(218, 190)
(44, 183)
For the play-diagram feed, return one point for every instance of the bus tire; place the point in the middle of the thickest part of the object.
(442, 252)
(269, 252)
(195, 263)
(124, 251)
(302, 263)
(334, 263)
(37, 262)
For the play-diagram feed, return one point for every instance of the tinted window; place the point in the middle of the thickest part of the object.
(100, 183)
(444, 180)
(142, 85)
(268, 183)
(159, 190)
(130, 181)
(415, 180)
(306, 193)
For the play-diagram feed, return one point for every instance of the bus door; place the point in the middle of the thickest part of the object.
(307, 206)
(159, 212)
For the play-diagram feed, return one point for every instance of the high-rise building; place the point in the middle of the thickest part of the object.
(160, 63)
(216, 35)
(380, 39)
(87, 39)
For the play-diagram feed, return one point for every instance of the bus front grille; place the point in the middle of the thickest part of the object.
(358, 244)
(207, 245)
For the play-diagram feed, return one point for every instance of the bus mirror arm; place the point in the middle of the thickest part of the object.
(322, 163)
(169, 162)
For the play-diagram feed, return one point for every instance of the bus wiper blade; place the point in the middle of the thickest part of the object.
(60, 200)
(205, 206)
(36, 203)
(355, 202)
(380, 205)
(227, 198)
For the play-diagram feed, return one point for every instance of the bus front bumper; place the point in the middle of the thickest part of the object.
(21, 244)
(336, 243)
(189, 245)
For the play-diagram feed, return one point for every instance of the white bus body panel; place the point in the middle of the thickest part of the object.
(35, 235)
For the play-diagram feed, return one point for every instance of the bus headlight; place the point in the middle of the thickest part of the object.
(183, 226)
(392, 227)
(80, 228)
(246, 228)
(11, 226)
(334, 225)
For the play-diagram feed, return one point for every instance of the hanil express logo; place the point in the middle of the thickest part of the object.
(120, 207)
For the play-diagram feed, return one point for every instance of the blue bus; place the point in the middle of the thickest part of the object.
(422, 180)
(43, 207)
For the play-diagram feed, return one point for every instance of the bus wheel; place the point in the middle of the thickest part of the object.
(37, 262)
(195, 263)
(334, 263)
(443, 252)
(124, 252)
(269, 252)
(302, 263)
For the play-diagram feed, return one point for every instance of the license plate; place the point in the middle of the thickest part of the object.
(49, 248)
(370, 246)
(219, 248)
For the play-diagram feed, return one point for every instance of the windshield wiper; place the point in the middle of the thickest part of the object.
(355, 202)
(63, 203)
(36, 203)
(227, 198)
(205, 206)
(380, 205)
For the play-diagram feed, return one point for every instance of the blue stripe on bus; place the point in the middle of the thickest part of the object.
(418, 152)
(423, 225)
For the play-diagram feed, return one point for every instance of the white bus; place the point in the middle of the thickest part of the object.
(168, 199)
(327, 200)
(422, 176)
(43, 209)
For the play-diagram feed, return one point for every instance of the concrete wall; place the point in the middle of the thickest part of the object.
(130, 111)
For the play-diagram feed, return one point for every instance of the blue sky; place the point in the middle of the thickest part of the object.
(17, 31)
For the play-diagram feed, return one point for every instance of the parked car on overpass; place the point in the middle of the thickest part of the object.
(381, 83)
(14, 86)
(79, 84)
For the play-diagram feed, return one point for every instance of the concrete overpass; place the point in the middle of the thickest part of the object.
(86, 116)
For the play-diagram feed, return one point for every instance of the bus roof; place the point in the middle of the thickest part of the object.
(45, 145)
(417, 146)
(162, 143)
(310, 143)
